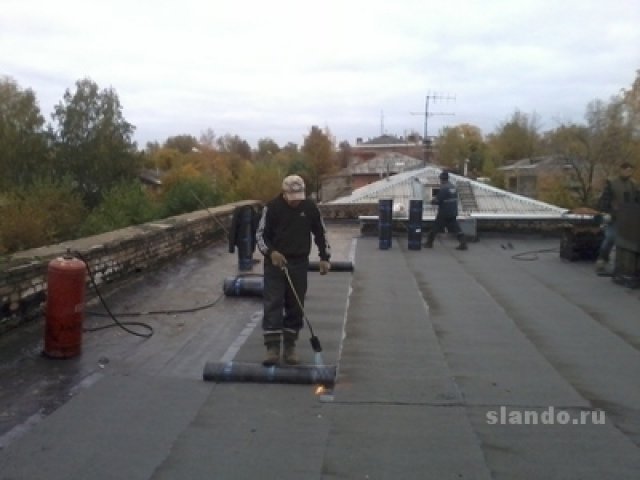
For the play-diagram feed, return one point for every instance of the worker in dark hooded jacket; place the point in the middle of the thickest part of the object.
(617, 191)
(447, 202)
(242, 234)
(284, 238)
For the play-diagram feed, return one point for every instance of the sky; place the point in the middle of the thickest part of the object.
(273, 69)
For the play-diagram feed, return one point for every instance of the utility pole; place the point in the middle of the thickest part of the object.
(431, 97)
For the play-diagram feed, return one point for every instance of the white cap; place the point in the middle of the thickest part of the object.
(293, 187)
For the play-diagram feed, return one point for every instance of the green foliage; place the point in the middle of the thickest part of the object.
(553, 189)
(516, 138)
(318, 153)
(189, 194)
(267, 148)
(164, 159)
(93, 141)
(23, 139)
(631, 99)
(258, 182)
(123, 205)
(235, 145)
(460, 143)
(44, 212)
(182, 143)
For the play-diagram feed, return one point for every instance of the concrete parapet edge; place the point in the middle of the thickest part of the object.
(112, 257)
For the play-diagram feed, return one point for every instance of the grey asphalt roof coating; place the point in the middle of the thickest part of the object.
(427, 342)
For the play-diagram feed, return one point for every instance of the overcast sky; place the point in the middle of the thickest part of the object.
(274, 68)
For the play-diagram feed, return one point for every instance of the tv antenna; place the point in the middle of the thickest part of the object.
(431, 98)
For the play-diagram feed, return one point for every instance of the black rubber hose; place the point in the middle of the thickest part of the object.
(118, 323)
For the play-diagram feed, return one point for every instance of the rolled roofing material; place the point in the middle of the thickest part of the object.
(256, 373)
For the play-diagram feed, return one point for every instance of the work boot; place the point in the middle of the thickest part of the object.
(601, 266)
(272, 342)
(290, 356)
(429, 242)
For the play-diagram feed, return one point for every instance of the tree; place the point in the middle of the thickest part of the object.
(93, 140)
(631, 99)
(318, 152)
(208, 138)
(594, 150)
(43, 212)
(611, 134)
(258, 182)
(235, 145)
(458, 144)
(631, 102)
(267, 148)
(182, 143)
(124, 204)
(188, 193)
(23, 140)
(516, 138)
(572, 143)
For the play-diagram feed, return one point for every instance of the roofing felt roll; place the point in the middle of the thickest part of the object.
(337, 266)
(243, 286)
(237, 372)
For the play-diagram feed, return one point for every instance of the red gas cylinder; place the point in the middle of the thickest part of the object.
(65, 307)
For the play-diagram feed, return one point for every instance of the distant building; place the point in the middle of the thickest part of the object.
(411, 146)
(150, 178)
(529, 176)
(360, 172)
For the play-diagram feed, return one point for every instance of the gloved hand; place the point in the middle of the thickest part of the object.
(278, 259)
(324, 266)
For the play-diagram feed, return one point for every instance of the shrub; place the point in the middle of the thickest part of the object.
(189, 194)
(46, 212)
(125, 204)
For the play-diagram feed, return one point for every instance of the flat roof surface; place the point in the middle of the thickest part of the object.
(500, 362)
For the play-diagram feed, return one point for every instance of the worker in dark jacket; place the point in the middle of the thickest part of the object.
(447, 202)
(617, 191)
(242, 234)
(284, 238)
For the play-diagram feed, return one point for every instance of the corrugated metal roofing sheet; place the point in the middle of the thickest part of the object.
(490, 201)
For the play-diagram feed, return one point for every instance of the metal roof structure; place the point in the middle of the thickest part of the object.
(386, 162)
(477, 199)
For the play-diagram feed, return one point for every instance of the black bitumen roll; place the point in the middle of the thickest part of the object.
(243, 286)
(337, 266)
(257, 373)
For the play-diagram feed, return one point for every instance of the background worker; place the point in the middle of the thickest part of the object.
(617, 190)
(284, 238)
(242, 234)
(447, 202)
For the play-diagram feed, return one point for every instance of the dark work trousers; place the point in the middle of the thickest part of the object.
(439, 225)
(281, 309)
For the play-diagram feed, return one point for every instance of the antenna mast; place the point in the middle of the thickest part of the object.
(431, 97)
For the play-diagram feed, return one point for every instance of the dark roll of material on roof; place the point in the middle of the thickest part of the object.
(243, 286)
(236, 372)
(337, 266)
